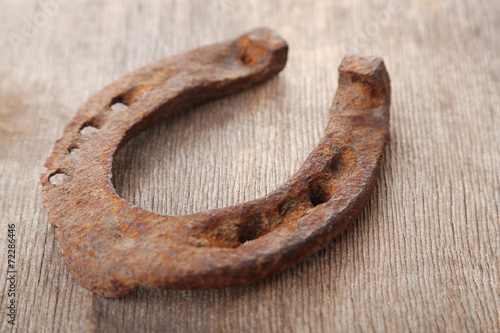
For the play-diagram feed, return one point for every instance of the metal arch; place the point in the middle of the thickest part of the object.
(112, 247)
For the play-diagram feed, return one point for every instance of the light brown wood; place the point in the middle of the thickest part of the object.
(424, 254)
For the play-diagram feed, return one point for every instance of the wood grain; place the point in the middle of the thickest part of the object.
(423, 256)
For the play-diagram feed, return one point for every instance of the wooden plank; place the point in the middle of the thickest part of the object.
(423, 255)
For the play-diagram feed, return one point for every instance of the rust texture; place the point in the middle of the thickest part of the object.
(112, 247)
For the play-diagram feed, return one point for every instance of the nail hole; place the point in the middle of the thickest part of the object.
(318, 193)
(88, 129)
(251, 229)
(118, 104)
(73, 149)
(59, 178)
(333, 163)
(247, 234)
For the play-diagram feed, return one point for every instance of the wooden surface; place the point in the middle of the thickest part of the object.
(422, 257)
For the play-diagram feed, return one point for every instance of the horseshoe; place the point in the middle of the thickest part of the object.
(112, 247)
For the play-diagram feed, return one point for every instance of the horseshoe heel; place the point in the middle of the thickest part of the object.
(112, 247)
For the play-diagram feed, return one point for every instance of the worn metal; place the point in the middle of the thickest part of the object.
(112, 247)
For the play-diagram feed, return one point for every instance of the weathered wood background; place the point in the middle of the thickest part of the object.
(423, 255)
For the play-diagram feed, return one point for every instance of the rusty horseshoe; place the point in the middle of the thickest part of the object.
(111, 247)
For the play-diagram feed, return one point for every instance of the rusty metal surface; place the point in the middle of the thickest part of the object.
(112, 247)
